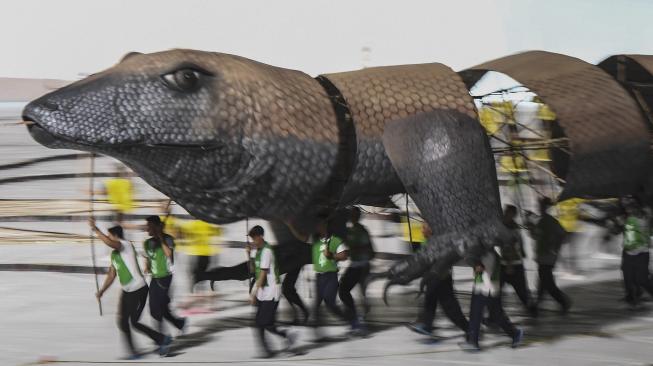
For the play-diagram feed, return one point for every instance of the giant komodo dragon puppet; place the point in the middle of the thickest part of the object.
(229, 138)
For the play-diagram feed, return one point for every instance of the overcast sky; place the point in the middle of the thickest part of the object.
(65, 38)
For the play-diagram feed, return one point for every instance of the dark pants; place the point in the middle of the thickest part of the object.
(239, 272)
(326, 290)
(636, 275)
(200, 264)
(290, 292)
(495, 308)
(160, 303)
(547, 283)
(515, 275)
(130, 309)
(353, 276)
(442, 291)
(265, 321)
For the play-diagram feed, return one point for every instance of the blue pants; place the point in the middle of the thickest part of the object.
(327, 290)
(479, 302)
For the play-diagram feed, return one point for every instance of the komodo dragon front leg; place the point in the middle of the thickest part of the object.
(444, 160)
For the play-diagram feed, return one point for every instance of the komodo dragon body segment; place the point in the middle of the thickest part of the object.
(229, 138)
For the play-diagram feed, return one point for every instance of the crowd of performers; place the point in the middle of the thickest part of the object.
(504, 265)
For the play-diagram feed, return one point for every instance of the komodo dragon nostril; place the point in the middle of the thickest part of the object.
(50, 105)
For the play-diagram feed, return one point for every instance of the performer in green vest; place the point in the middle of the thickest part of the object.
(266, 292)
(124, 265)
(486, 292)
(327, 250)
(635, 256)
(159, 252)
(361, 252)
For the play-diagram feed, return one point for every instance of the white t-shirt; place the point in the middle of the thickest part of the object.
(272, 290)
(131, 269)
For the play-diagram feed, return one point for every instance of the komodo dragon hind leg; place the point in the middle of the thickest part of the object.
(445, 163)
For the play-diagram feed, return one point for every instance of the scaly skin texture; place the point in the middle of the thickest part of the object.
(229, 138)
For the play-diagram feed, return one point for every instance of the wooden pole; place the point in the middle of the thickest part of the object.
(92, 211)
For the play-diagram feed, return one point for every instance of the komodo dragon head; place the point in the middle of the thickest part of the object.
(224, 136)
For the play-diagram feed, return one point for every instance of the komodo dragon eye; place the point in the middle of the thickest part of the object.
(184, 80)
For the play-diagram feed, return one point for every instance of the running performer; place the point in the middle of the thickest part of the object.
(485, 293)
(159, 251)
(327, 250)
(124, 265)
(266, 292)
(361, 252)
(438, 289)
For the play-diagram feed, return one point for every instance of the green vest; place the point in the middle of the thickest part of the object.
(257, 265)
(321, 263)
(159, 264)
(124, 275)
(636, 234)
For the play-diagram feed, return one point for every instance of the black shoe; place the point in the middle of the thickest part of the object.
(420, 328)
(490, 323)
(268, 354)
(164, 348)
(566, 306)
(468, 346)
(518, 338)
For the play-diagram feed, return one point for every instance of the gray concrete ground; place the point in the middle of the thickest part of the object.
(53, 317)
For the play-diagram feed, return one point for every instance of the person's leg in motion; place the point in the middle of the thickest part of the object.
(330, 293)
(272, 327)
(424, 323)
(263, 320)
(126, 306)
(362, 286)
(520, 285)
(475, 317)
(157, 304)
(552, 288)
(135, 316)
(167, 314)
(496, 309)
(347, 282)
(643, 279)
(239, 272)
(451, 306)
(628, 271)
(290, 293)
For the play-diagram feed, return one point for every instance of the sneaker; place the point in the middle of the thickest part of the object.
(291, 339)
(267, 354)
(359, 332)
(420, 328)
(566, 306)
(468, 346)
(164, 349)
(490, 323)
(518, 338)
(184, 327)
